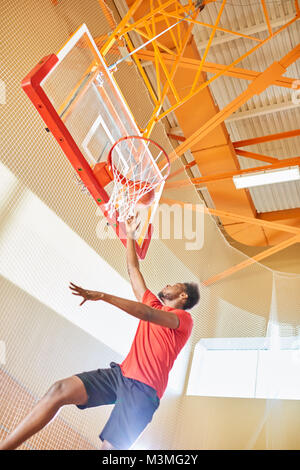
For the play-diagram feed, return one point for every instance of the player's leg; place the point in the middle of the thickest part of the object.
(134, 408)
(64, 392)
(101, 386)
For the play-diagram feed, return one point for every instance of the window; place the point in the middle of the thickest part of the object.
(246, 368)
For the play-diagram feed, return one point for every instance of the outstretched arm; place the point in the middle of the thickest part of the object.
(136, 309)
(137, 281)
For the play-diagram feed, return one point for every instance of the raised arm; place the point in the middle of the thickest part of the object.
(137, 281)
(136, 309)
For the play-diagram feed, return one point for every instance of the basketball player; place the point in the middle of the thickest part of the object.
(135, 386)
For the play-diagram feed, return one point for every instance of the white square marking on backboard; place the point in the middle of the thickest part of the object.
(100, 122)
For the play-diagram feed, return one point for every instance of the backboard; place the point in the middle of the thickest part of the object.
(82, 106)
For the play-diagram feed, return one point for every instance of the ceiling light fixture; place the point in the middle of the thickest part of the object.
(261, 178)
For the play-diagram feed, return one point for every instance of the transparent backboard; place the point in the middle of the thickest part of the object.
(92, 110)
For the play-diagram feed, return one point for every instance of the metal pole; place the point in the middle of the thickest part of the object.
(197, 6)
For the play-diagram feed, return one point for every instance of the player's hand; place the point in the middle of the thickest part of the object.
(132, 224)
(86, 294)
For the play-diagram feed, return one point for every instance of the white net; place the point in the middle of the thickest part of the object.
(139, 165)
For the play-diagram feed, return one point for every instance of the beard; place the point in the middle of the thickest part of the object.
(162, 296)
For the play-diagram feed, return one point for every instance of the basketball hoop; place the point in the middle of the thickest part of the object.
(138, 166)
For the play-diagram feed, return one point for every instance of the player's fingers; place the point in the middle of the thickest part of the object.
(76, 293)
(78, 289)
(72, 286)
(82, 302)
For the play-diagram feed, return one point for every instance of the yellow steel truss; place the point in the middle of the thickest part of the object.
(177, 21)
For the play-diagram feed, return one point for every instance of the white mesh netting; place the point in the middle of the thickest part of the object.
(139, 166)
(45, 226)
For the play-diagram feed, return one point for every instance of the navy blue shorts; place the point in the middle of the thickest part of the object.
(135, 403)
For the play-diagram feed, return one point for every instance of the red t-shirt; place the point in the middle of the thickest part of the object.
(155, 348)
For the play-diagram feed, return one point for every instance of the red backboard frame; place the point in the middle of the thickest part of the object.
(31, 84)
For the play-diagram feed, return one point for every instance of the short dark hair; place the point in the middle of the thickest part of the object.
(192, 291)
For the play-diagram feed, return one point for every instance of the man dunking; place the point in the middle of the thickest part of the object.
(138, 383)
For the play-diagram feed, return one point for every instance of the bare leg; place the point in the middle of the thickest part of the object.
(64, 392)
